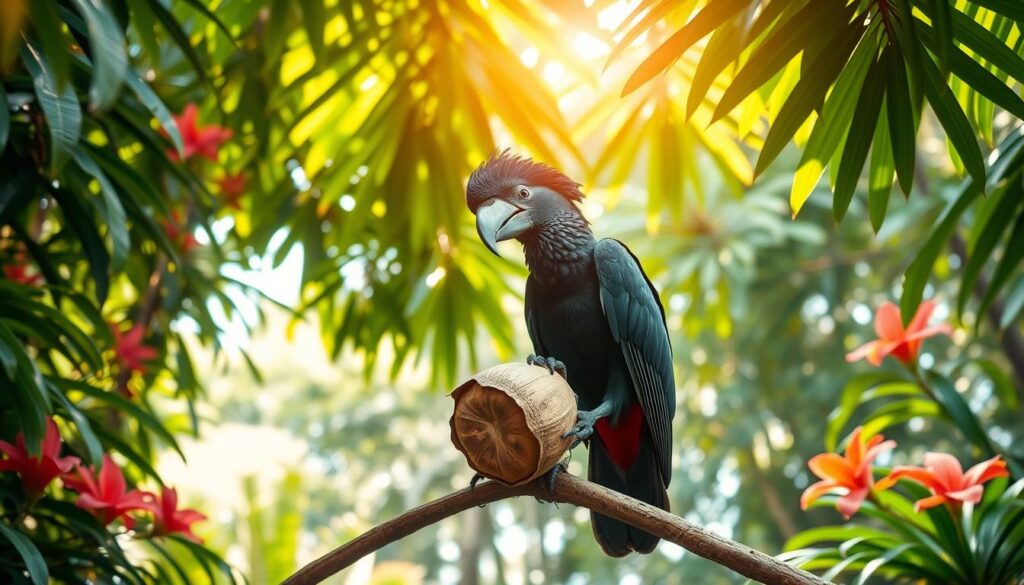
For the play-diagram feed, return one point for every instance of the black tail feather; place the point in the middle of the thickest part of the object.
(643, 482)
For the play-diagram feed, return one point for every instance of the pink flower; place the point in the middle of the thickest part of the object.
(107, 497)
(129, 351)
(943, 475)
(169, 519)
(849, 475)
(893, 339)
(202, 141)
(37, 471)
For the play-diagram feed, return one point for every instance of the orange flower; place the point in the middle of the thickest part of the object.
(893, 339)
(943, 475)
(202, 141)
(232, 187)
(849, 475)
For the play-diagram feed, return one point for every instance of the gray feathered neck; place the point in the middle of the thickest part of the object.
(561, 248)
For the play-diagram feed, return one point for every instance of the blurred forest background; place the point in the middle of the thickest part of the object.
(273, 192)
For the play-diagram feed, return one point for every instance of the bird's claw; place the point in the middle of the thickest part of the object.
(550, 363)
(476, 479)
(582, 430)
(548, 479)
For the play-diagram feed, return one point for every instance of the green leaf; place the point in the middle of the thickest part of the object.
(156, 107)
(110, 209)
(49, 30)
(856, 392)
(314, 19)
(987, 45)
(960, 413)
(942, 20)
(954, 121)
(92, 443)
(807, 95)
(34, 561)
(782, 45)
(107, 50)
(996, 214)
(60, 106)
(902, 121)
(916, 276)
(1008, 264)
(1014, 304)
(881, 173)
(96, 253)
(858, 141)
(179, 37)
(1009, 8)
(200, 7)
(833, 123)
(722, 49)
(708, 19)
(876, 564)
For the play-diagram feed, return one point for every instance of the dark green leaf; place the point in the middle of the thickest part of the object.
(858, 141)
(1009, 8)
(92, 244)
(49, 30)
(1014, 304)
(942, 20)
(987, 45)
(110, 209)
(34, 561)
(808, 94)
(1007, 266)
(5, 119)
(998, 212)
(314, 19)
(960, 413)
(92, 443)
(60, 106)
(107, 50)
(902, 121)
(881, 173)
(954, 121)
(156, 107)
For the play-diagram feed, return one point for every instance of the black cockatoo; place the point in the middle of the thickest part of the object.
(594, 317)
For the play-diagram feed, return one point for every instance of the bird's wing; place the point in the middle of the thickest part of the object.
(532, 326)
(637, 322)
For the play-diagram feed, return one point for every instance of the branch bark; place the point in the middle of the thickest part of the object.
(568, 489)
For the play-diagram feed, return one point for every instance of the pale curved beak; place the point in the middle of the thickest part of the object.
(498, 220)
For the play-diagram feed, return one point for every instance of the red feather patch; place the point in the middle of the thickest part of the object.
(622, 440)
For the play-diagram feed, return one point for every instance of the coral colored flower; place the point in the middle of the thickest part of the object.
(39, 470)
(179, 234)
(19, 273)
(168, 519)
(202, 141)
(129, 351)
(943, 475)
(107, 497)
(849, 475)
(893, 339)
(232, 187)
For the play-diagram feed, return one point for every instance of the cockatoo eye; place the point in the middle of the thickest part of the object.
(523, 192)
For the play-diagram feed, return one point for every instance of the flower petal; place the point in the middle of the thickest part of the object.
(921, 476)
(930, 502)
(815, 491)
(946, 469)
(833, 467)
(862, 352)
(986, 470)
(850, 503)
(888, 323)
(112, 484)
(970, 494)
(921, 317)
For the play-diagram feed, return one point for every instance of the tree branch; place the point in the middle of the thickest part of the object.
(568, 489)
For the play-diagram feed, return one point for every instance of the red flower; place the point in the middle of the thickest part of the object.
(944, 476)
(129, 351)
(179, 234)
(232, 187)
(108, 498)
(893, 339)
(197, 140)
(19, 273)
(850, 475)
(37, 471)
(168, 519)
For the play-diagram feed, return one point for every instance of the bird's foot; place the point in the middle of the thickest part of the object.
(585, 421)
(550, 363)
(476, 479)
(548, 479)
